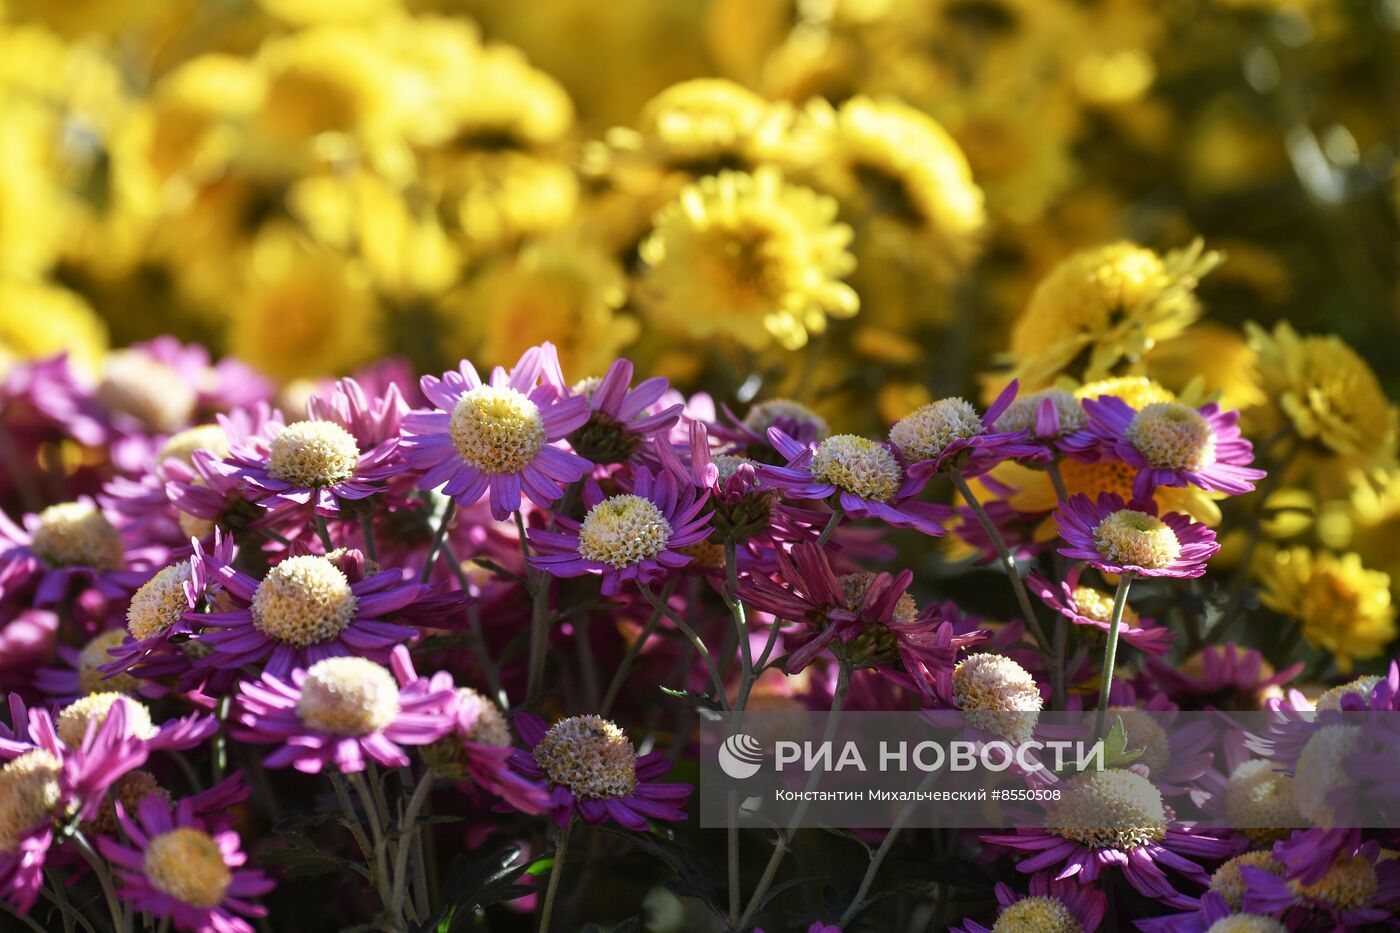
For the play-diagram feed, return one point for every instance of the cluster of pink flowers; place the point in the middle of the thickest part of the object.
(192, 607)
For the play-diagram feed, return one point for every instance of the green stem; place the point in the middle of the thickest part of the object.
(367, 532)
(25, 919)
(830, 528)
(120, 921)
(376, 831)
(449, 511)
(408, 828)
(220, 755)
(782, 843)
(539, 619)
(695, 640)
(556, 870)
(634, 650)
(323, 532)
(357, 830)
(1007, 560)
(1110, 650)
(878, 858)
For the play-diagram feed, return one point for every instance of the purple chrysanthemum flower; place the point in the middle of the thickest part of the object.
(46, 779)
(44, 400)
(307, 608)
(477, 750)
(622, 418)
(1085, 605)
(67, 547)
(593, 771)
(1172, 444)
(749, 435)
(948, 434)
(1116, 818)
(1053, 419)
(344, 451)
(865, 477)
(633, 536)
(1130, 538)
(1051, 904)
(175, 867)
(341, 711)
(497, 438)
(1203, 916)
(208, 492)
(1355, 890)
(871, 614)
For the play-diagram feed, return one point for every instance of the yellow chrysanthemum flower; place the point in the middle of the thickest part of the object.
(313, 12)
(196, 113)
(750, 257)
(38, 320)
(894, 166)
(304, 311)
(504, 196)
(561, 290)
(1323, 391)
(1343, 607)
(1106, 306)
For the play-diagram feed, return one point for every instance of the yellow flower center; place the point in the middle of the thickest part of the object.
(764, 415)
(313, 453)
(76, 534)
(1259, 802)
(93, 656)
(705, 553)
(857, 465)
(149, 391)
(1037, 915)
(1350, 883)
(1097, 605)
(855, 585)
(997, 695)
(926, 431)
(73, 719)
(1020, 415)
(1228, 881)
(159, 603)
(589, 755)
(623, 530)
(490, 727)
(182, 445)
(1172, 436)
(1332, 699)
(28, 794)
(497, 430)
(131, 790)
(193, 526)
(1113, 809)
(1138, 539)
(1247, 923)
(303, 601)
(187, 865)
(348, 696)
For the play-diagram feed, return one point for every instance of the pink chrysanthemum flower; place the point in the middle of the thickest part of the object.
(1356, 890)
(1085, 605)
(66, 548)
(175, 867)
(498, 438)
(1051, 906)
(1116, 818)
(341, 711)
(593, 772)
(343, 452)
(949, 434)
(207, 491)
(45, 779)
(1130, 538)
(634, 536)
(1172, 444)
(307, 608)
(863, 477)
(1052, 419)
(622, 418)
(477, 750)
(749, 435)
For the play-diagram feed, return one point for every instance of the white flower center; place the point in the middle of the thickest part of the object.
(313, 453)
(497, 429)
(1134, 538)
(1037, 915)
(93, 656)
(28, 793)
(76, 534)
(150, 391)
(159, 603)
(181, 446)
(1172, 436)
(348, 696)
(926, 431)
(303, 601)
(623, 530)
(1113, 809)
(857, 465)
(589, 755)
(997, 695)
(73, 719)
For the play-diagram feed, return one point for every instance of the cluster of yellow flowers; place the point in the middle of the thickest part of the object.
(852, 202)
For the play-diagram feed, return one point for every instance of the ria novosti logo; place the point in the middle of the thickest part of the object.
(740, 756)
